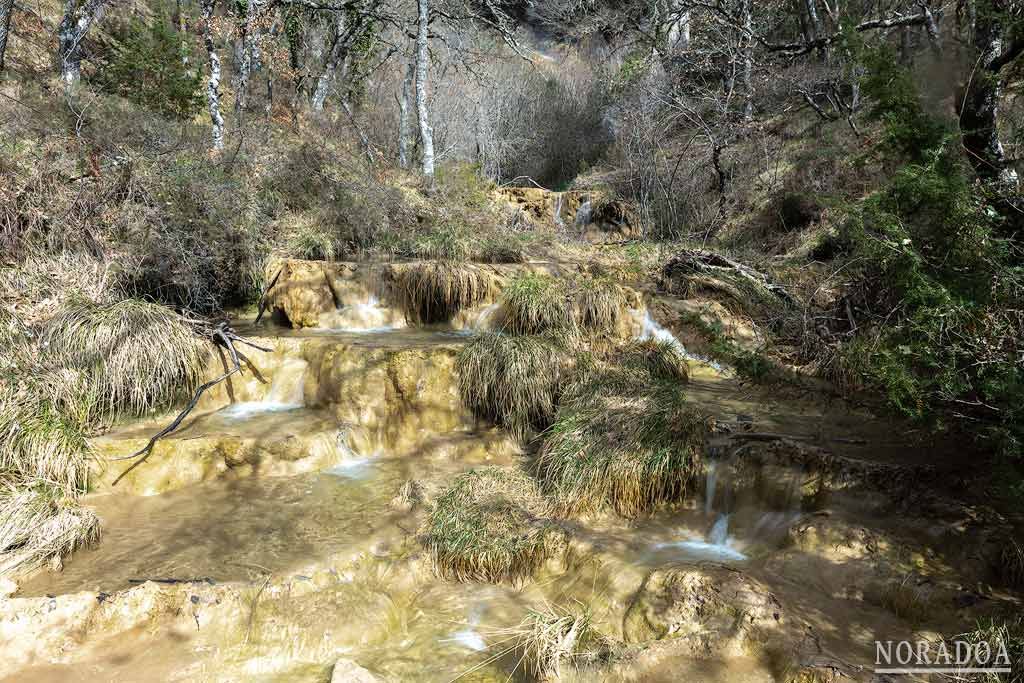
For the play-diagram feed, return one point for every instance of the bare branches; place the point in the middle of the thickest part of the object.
(224, 336)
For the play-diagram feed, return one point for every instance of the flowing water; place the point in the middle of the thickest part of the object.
(337, 552)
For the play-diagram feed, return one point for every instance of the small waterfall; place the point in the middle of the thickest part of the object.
(286, 393)
(365, 316)
(350, 464)
(583, 215)
(719, 533)
(484, 320)
(650, 329)
(558, 210)
(709, 487)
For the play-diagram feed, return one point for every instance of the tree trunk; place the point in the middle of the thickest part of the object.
(70, 33)
(248, 47)
(814, 21)
(748, 61)
(6, 8)
(679, 31)
(323, 83)
(403, 116)
(980, 111)
(213, 84)
(422, 67)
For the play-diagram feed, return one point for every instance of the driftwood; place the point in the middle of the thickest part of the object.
(222, 335)
(263, 297)
(695, 262)
(201, 579)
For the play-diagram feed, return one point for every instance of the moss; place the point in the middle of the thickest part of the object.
(489, 526)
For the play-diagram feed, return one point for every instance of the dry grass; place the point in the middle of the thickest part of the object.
(39, 525)
(598, 304)
(624, 440)
(489, 526)
(37, 441)
(1011, 566)
(553, 636)
(137, 355)
(906, 599)
(533, 304)
(434, 291)
(513, 381)
(662, 359)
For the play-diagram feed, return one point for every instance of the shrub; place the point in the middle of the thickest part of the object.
(433, 292)
(513, 381)
(622, 439)
(489, 526)
(145, 65)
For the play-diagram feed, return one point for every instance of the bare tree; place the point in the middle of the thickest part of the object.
(6, 7)
(403, 115)
(334, 56)
(422, 69)
(213, 82)
(77, 20)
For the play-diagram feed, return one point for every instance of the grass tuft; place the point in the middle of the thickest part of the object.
(138, 355)
(598, 304)
(622, 439)
(434, 291)
(512, 381)
(39, 525)
(1011, 566)
(551, 637)
(37, 441)
(662, 359)
(489, 526)
(533, 304)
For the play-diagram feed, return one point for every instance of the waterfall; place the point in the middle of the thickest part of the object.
(583, 215)
(484, 319)
(365, 316)
(719, 533)
(709, 487)
(558, 210)
(650, 329)
(286, 393)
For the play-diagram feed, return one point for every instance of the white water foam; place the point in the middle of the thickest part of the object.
(650, 329)
(364, 317)
(286, 393)
(469, 637)
(709, 487)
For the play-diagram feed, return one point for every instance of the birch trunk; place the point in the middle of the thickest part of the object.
(213, 83)
(247, 48)
(6, 8)
(70, 33)
(323, 83)
(422, 67)
(748, 61)
(679, 32)
(403, 117)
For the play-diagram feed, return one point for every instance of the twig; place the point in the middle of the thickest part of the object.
(263, 299)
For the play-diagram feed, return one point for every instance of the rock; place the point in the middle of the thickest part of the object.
(8, 587)
(347, 671)
(715, 609)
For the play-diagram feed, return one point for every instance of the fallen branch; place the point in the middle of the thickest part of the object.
(263, 298)
(223, 335)
(768, 436)
(691, 262)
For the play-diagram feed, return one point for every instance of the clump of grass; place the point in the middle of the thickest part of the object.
(1011, 564)
(38, 441)
(513, 381)
(490, 526)
(534, 304)
(442, 244)
(312, 243)
(662, 359)
(598, 304)
(551, 637)
(996, 633)
(39, 525)
(906, 599)
(501, 249)
(622, 439)
(138, 355)
(434, 291)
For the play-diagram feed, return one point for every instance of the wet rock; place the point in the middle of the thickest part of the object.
(347, 671)
(715, 610)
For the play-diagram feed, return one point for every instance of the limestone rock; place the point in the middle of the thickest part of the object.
(715, 609)
(347, 671)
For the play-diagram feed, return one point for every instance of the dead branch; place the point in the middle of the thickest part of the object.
(263, 298)
(222, 335)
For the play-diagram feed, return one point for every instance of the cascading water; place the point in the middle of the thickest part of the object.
(717, 545)
(286, 393)
(470, 637)
(350, 464)
(558, 211)
(583, 215)
(709, 487)
(650, 329)
(365, 316)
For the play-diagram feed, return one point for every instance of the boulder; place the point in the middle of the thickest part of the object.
(347, 671)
